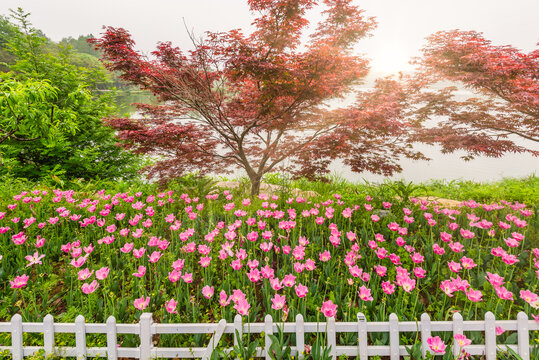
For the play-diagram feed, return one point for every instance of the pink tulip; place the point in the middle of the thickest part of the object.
(278, 302)
(170, 306)
(85, 274)
(365, 294)
(242, 307)
(89, 288)
(436, 344)
(19, 281)
(301, 290)
(102, 273)
(462, 340)
(329, 309)
(141, 303)
(207, 291)
(141, 271)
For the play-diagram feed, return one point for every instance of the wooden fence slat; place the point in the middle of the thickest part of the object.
(523, 336)
(80, 337)
(300, 336)
(48, 335)
(17, 350)
(112, 339)
(145, 323)
(490, 336)
(362, 334)
(458, 328)
(332, 337)
(214, 341)
(239, 328)
(394, 337)
(268, 330)
(425, 333)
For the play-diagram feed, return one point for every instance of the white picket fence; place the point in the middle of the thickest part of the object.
(146, 329)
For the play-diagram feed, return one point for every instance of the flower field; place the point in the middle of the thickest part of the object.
(200, 259)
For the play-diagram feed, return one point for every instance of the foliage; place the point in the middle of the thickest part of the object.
(27, 112)
(80, 146)
(502, 114)
(253, 101)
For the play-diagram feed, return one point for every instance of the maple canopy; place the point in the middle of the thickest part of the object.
(501, 116)
(253, 101)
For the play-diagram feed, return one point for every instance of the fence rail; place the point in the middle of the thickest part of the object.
(146, 329)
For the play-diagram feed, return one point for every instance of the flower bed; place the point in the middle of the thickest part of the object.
(198, 259)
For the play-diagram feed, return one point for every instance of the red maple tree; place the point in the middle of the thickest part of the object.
(253, 101)
(504, 107)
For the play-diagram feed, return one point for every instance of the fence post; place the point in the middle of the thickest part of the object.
(268, 330)
(48, 335)
(394, 337)
(332, 337)
(362, 336)
(300, 336)
(145, 336)
(112, 340)
(80, 337)
(458, 328)
(237, 327)
(490, 336)
(523, 336)
(425, 333)
(17, 350)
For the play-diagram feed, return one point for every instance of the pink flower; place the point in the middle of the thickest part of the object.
(503, 293)
(436, 344)
(102, 273)
(187, 278)
(388, 288)
(364, 294)
(324, 256)
(242, 307)
(420, 272)
(438, 250)
(34, 259)
(85, 274)
(375, 218)
(141, 271)
(170, 306)
(499, 330)
(89, 288)
(474, 295)
(236, 264)
(467, 263)
(207, 291)
(224, 300)
(289, 280)
(301, 290)
(141, 303)
(454, 266)
(278, 302)
(78, 262)
(462, 340)
(530, 297)
(417, 258)
(329, 309)
(19, 281)
(127, 248)
(154, 257)
(494, 279)
(407, 284)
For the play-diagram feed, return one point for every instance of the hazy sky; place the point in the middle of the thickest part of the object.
(402, 27)
(402, 24)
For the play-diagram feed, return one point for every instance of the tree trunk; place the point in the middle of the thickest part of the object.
(255, 185)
